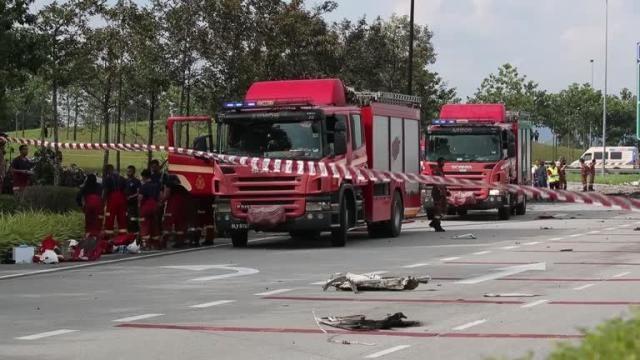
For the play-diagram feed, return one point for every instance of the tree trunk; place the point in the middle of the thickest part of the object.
(75, 120)
(118, 120)
(105, 121)
(68, 116)
(152, 109)
(56, 163)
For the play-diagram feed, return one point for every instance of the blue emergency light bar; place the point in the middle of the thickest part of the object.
(443, 122)
(238, 104)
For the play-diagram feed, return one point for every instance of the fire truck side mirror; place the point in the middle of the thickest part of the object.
(340, 137)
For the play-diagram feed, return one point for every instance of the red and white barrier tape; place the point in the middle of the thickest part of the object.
(357, 174)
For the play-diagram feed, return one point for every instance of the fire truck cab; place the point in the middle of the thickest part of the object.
(316, 120)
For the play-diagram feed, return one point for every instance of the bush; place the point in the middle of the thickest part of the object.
(30, 227)
(48, 198)
(8, 204)
(615, 339)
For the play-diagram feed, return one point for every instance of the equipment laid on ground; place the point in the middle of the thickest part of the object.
(480, 142)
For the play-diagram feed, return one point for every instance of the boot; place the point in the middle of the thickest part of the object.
(436, 225)
(432, 223)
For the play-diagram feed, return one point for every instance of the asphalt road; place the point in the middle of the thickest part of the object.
(257, 303)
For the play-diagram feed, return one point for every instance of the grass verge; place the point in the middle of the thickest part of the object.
(609, 179)
(30, 227)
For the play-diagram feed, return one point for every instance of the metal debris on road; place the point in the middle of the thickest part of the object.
(566, 250)
(372, 282)
(361, 323)
(636, 229)
(546, 228)
(465, 236)
(332, 339)
(545, 217)
(510, 295)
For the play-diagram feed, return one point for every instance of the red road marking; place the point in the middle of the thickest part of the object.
(394, 300)
(569, 302)
(595, 242)
(331, 331)
(527, 262)
(580, 251)
(545, 279)
(595, 263)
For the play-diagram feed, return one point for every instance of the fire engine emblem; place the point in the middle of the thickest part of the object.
(395, 148)
(200, 182)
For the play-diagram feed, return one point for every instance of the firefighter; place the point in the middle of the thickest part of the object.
(584, 174)
(205, 220)
(174, 221)
(116, 202)
(131, 190)
(90, 200)
(592, 174)
(21, 169)
(439, 195)
(553, 174)
(562, 170)
(148, 204)
(156, 173)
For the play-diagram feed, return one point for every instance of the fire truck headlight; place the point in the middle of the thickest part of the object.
(494, 192)
(317, 206)
(223, 207)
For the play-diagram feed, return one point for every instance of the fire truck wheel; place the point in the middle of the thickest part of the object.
(393, 227)
(339, 236)
(239, 239)
(521, 208)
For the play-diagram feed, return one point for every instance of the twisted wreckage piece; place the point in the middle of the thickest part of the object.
(361, 323)
(369, 282)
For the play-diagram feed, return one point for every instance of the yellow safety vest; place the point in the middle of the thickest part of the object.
(554, 175)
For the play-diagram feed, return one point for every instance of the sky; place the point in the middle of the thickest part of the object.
(550, 41)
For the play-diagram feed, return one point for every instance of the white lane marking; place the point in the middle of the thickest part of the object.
(637, 222)
(594, 232)
(582, 287)
(196, 267)
(319, 282)
(481, 252)
(210, 304)
(609, 229)
(238, 271)
(509, 247)
(45, 334)
(625, 225)
(469, 324)
(556, 239)
(415, 265)
(534, 303)
(450, 258)
(621, 274)
(137, 317)
(504, 272)
(273, 292)
(532, 243)
(386, 352)
(575, 235)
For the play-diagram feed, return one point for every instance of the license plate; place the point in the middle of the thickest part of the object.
(240, 226)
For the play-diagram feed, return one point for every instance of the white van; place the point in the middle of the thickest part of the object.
(618, 157)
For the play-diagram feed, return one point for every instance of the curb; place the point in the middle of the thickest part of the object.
(107, 262)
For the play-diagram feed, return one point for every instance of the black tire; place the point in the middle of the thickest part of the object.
(504, 212)
(521, 208)
(339, 236)
(462, 212)
(239, 238)
(393, 227)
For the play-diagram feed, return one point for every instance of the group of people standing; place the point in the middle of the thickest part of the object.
(156, 208)
(554, 174)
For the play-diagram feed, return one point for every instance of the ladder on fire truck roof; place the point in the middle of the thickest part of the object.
(367, 97)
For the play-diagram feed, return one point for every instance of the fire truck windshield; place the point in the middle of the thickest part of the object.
(272, 138)
(464, 147)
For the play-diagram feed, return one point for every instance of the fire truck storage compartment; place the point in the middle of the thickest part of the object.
(395, 147)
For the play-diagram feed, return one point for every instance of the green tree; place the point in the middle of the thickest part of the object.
(515, 91)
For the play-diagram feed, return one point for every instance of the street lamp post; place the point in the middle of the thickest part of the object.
(410, 60)
(604, 100)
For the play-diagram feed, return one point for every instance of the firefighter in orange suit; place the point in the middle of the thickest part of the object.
(174, 221)
(116, 202)
(439, 195)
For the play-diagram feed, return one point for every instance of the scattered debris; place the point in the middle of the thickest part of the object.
(636, 229)
(332, 339)
(566, 250)
(361, 323)
(465, 236)
(546, 228)
(545, 217)
(357, 282)
(510, 295)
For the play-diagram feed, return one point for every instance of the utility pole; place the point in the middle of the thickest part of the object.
(410, 61)
(604, 100)
(590, 124)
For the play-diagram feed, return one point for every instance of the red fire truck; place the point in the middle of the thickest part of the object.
(480, 142)
(195, 173)
(317, 120)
